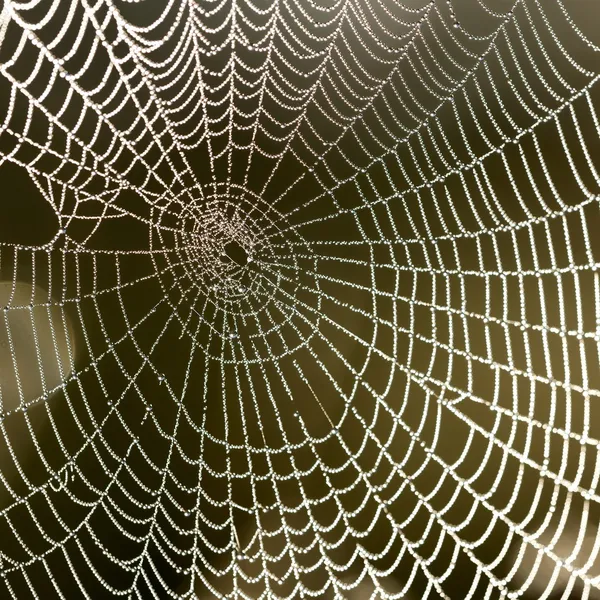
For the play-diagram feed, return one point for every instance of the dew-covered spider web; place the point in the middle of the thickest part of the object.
(300, 298)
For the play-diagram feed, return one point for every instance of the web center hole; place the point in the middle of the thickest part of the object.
(237, 253)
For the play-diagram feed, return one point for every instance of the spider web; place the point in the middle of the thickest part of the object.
(326, 276)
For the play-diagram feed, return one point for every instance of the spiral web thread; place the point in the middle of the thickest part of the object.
(349, 327)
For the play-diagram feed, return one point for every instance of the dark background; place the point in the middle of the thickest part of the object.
(188, 392)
